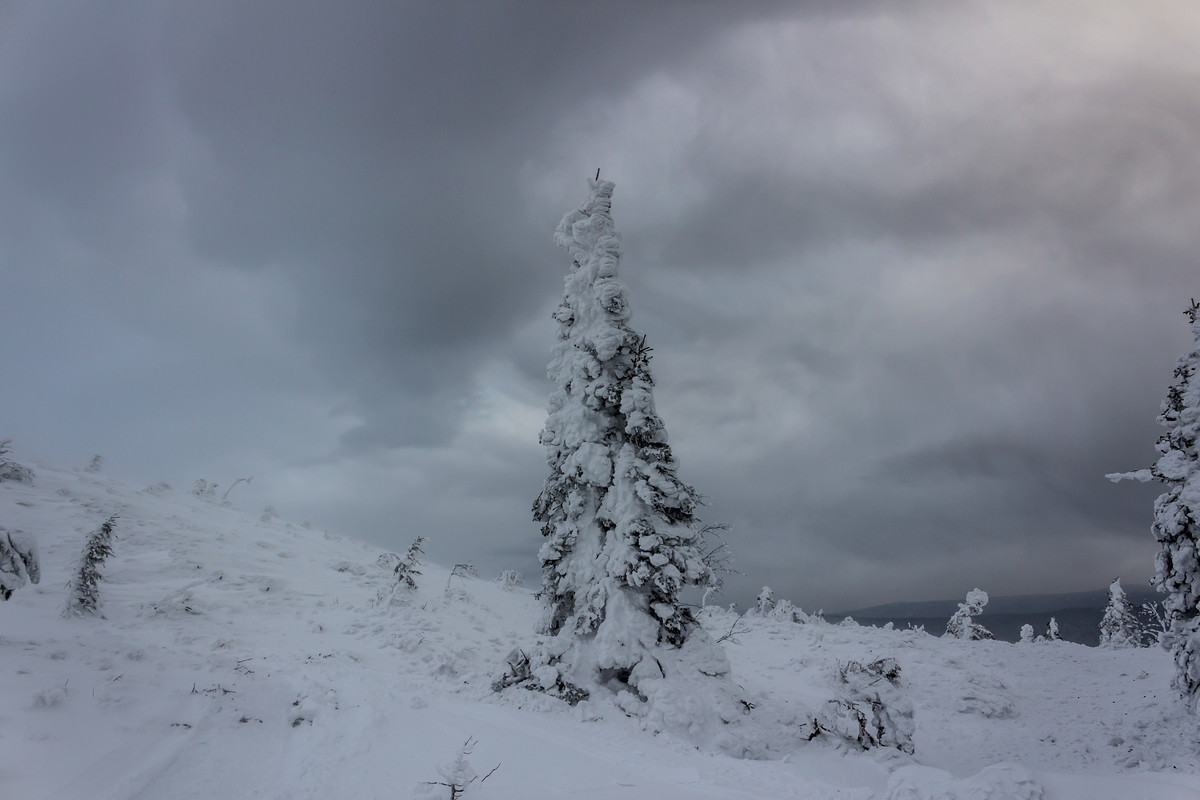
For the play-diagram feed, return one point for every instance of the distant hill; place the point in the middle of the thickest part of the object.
(1078, 614)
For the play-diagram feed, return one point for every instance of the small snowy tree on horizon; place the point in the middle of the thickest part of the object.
(621, 537)
(1120, 627)
(1027, 633)
(1052, 634)
(1177, 516)
(961, 626)
(765, 601)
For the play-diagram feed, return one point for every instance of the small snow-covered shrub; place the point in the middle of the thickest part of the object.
(18, 561)
(870, 710)
(96, 464)
(1052, 634)
(85, 595)
(509, 579)
(1027, 633)
(765, 601)
(784, 611)
(961, 626)
(456, 776)
(1119, 628)
(202, 488)
(11, 470)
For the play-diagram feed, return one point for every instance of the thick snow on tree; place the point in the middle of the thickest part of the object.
(1177, 515)
(622, 540)
(18, 561)
(1052, 634)
(961, 626)
(1027, 633)
(766, 601)
(1119, 627)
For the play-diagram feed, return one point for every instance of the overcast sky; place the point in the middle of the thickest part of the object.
(913, 272)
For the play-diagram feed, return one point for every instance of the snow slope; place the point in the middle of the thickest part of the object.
(239, 657)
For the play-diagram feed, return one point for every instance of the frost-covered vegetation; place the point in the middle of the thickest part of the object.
(962, 626)
(1177, 515)
(241, 658)
(1120, 626)
(622, 538)
(19, 562)
(84, 596)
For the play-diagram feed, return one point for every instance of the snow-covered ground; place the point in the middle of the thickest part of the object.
(242, 657)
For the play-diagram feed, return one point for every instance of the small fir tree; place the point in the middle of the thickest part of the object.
(1052, 634)
(765, 602)
(406, 568)
(19, 563)
(1177, 516)
(621, 537)
(85, 594)
(961, 626)
(1120, 627)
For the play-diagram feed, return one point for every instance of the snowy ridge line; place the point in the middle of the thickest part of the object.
(240, 658)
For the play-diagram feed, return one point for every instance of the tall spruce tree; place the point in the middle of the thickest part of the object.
(1177, 516)
(622, 540)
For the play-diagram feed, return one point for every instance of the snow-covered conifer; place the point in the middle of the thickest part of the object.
(11, 470)
(1052, 631)
(1120, 627)
(961, 626)
(622, 540)
(406, 568)
(1177, 515)
(765, 602)
(18, 561)
(85, 595)
(1027, 633)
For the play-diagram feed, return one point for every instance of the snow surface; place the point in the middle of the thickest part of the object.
(238, 658)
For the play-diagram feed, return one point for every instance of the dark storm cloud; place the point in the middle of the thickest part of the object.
(912, 272)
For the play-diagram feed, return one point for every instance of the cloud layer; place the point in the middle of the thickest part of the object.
(912, 274)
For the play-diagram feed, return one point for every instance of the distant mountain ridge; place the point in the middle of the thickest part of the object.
(1012, 604)
(1078, 614)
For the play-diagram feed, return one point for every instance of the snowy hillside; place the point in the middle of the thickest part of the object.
(244, 657)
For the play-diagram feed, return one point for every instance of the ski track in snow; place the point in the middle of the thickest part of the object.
(238, 658)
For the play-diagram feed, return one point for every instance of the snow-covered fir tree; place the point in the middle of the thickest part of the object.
(1027, 633)
(961, 626)
(1120, 627)
(85, 594)
(1177, 515)
(19, 562)
(621, 536)
(766, 601)
(1052, 634)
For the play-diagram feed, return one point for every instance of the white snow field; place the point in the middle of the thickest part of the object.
(239, 658)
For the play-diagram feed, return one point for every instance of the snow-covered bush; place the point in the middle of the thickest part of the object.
(456, 776)
(96, 464)
(1177, 515)
(509, 579)
(246, 481)
(765, 601)
(18, 561)
(1027, 633)
(784, 611)
(85, 594)
(870, 710)
(1119, 627)
(11, 470)
(202, 488)
(961, 626)
(622, 540)
(1052, 634)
